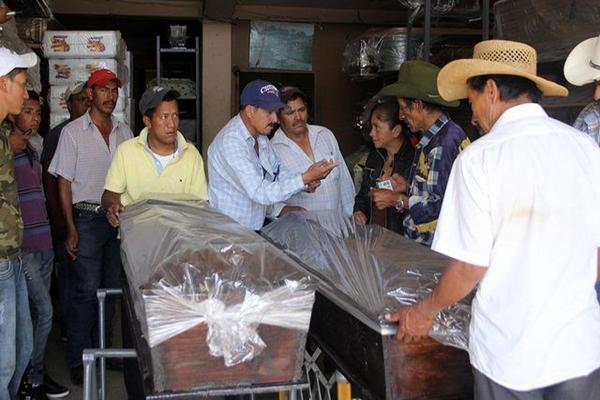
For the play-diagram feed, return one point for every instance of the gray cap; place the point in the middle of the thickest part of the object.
(153, 96)
(74, 88)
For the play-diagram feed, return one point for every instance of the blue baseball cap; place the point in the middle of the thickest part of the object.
(262, 94)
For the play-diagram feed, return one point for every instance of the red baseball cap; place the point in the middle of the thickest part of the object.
(101, 77)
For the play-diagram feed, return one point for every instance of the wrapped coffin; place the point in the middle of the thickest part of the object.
(216, 305)
(363, 272)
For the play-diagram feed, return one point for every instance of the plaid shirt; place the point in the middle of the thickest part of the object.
(241, 184)
(588, 121)
(336, 192)
(434, 156)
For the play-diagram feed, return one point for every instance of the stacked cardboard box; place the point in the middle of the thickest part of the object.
(73, 56)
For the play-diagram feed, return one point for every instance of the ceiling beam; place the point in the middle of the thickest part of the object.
(323, 15)
(191, 9)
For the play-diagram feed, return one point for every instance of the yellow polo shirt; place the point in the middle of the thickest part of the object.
(133, 171)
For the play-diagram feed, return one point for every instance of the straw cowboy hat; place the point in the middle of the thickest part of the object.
(494, 57)
(583, 63)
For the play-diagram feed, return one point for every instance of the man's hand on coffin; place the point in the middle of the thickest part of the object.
(383, 198)
(112, 214)
(399, 183)
(318, 171)
(360, 217)
(289, 209)
(71, 242)
(457, 281)
(414, 322)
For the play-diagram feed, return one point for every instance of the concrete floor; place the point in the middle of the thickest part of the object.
(56, 365)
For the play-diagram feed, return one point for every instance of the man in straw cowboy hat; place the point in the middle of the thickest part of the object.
(515, 225)
(581, 68)
(424, 111)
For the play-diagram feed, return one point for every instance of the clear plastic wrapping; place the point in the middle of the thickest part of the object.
(375, 51)
(444, 6)
(187, 264)
(375, 268)
(185, 87)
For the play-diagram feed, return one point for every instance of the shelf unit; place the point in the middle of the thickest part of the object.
(166, 55)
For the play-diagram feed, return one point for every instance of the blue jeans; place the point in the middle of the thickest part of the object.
(38, 270)
(15, 327)
(598, 292)
(98, 265)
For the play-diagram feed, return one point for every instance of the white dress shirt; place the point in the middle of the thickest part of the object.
(523, 202)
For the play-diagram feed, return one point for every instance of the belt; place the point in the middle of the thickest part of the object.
(8, 255)
(93, 208)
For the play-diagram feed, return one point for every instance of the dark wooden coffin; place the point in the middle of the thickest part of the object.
(182, 364)
(380, 367)
(347, 320)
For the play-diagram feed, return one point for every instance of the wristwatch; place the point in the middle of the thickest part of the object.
(399, 205)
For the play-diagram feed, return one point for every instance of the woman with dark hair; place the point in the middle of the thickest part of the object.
(393, 154)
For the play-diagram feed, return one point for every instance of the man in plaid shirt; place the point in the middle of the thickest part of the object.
(442, 140)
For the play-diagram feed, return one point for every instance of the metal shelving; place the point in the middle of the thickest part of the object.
(161, 70)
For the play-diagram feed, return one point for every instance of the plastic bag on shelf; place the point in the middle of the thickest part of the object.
(378, 269)
(187, 264)
(375, 51)
(185, 87)
(440, 7)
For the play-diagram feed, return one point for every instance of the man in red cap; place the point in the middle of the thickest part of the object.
(84, 153)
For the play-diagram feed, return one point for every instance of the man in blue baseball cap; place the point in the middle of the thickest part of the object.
(246, 178)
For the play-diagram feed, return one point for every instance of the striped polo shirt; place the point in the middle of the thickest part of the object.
(82, 156)
(28, 174)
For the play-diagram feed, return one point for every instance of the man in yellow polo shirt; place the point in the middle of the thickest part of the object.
(159, 160)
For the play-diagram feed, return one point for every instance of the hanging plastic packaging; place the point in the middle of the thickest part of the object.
(377, 269)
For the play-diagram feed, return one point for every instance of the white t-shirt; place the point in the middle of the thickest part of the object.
(524, 201)
(163, 160)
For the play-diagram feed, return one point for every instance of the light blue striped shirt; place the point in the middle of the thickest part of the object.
(336, 192)
(242, 185)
